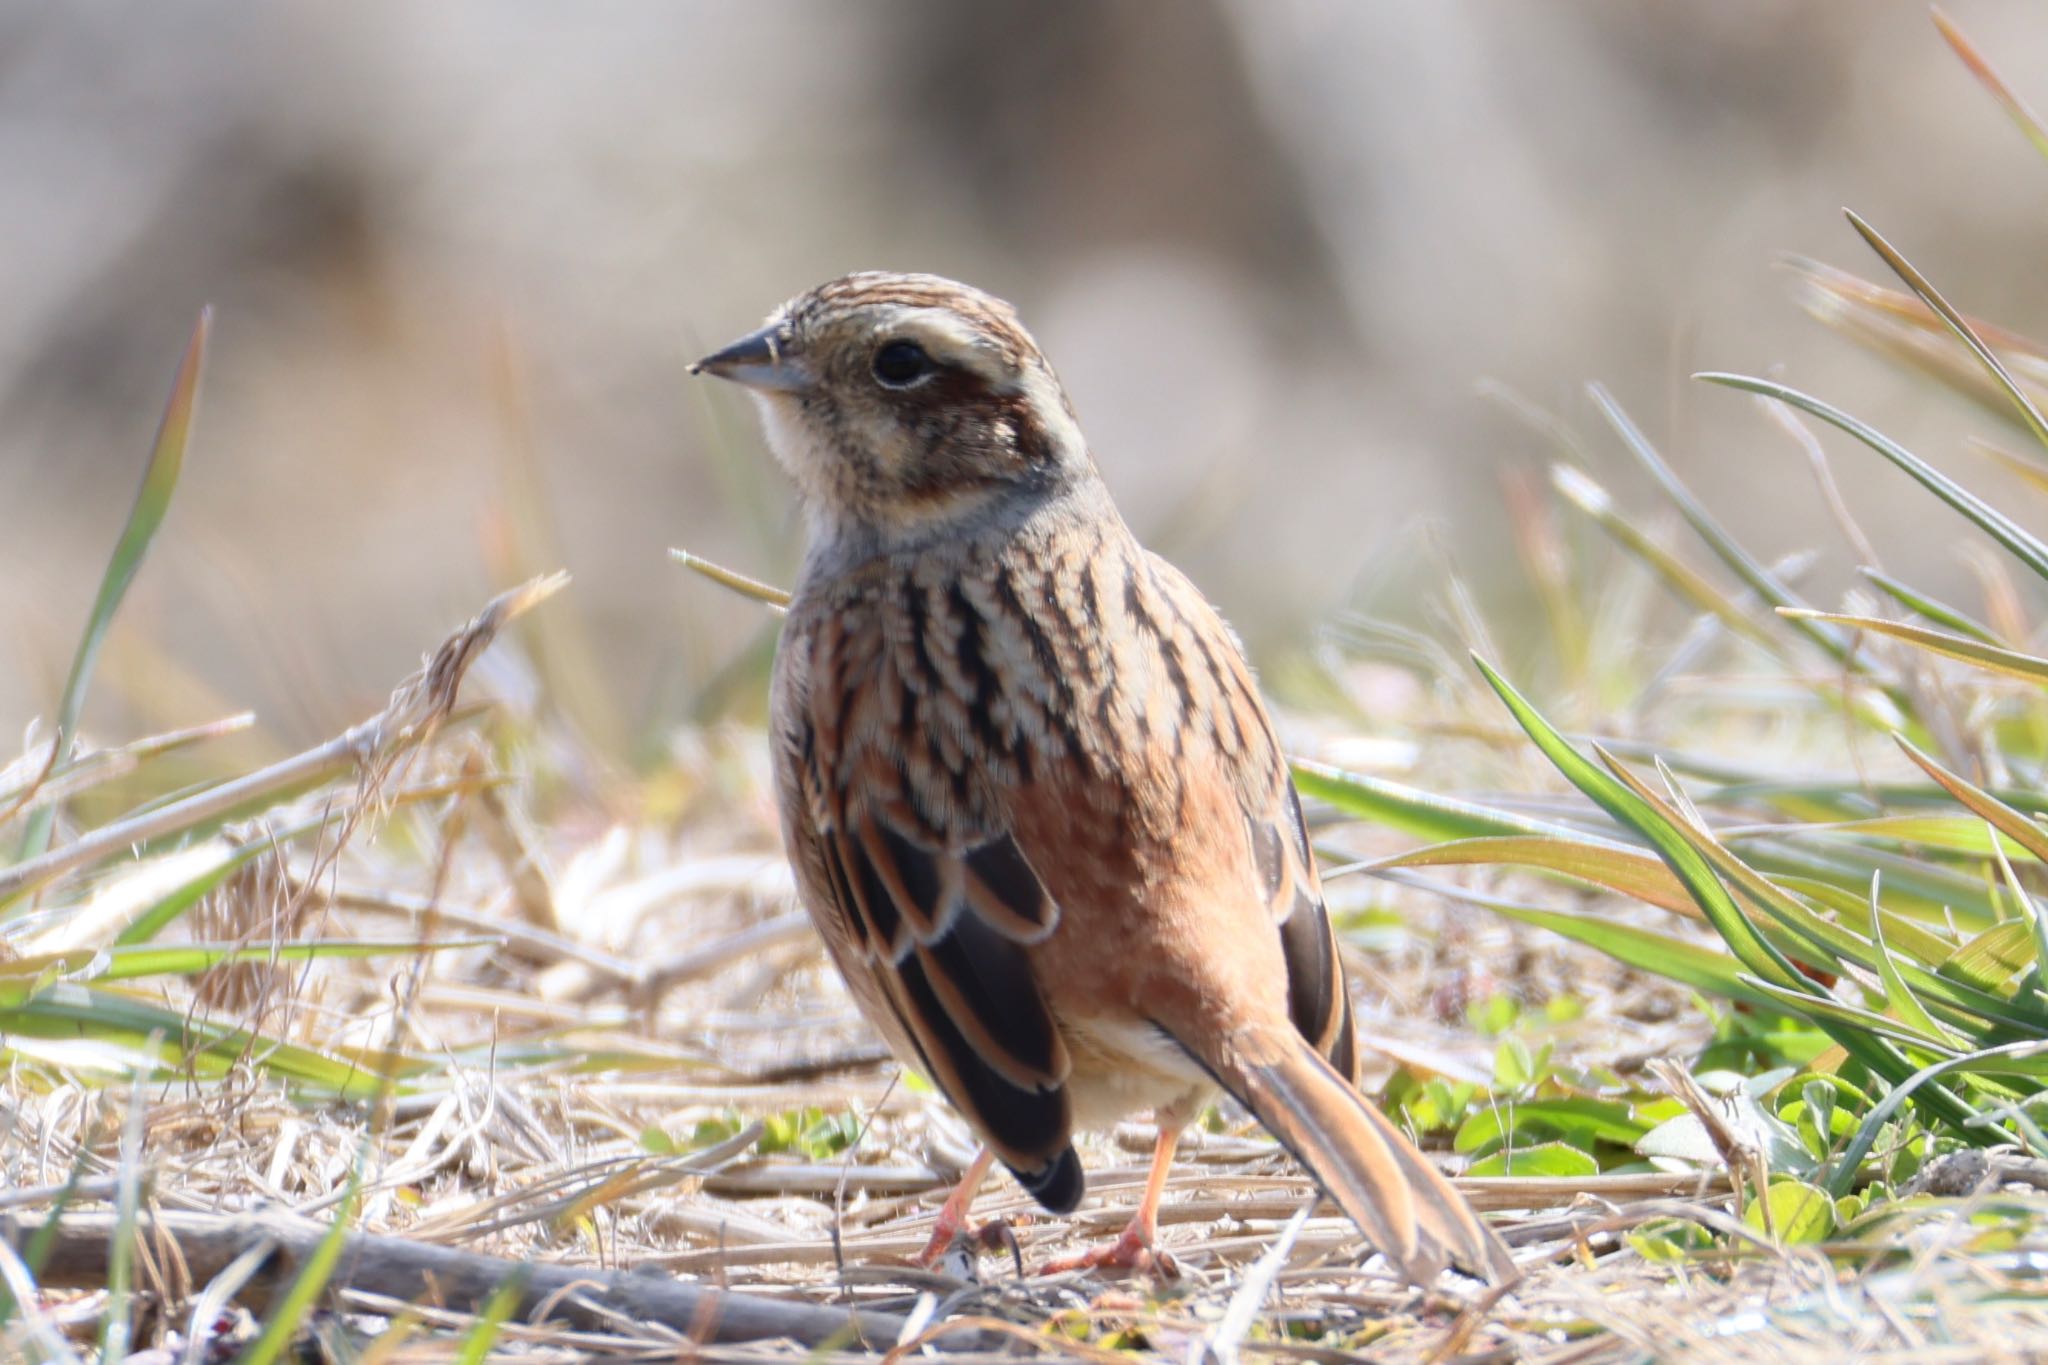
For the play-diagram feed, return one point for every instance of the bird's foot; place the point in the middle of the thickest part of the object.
(954, 1240)
(1132, 1251)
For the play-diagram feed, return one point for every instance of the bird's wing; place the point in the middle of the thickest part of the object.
(934, 906)
(1318, 1000)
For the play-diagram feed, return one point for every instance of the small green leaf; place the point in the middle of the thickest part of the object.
(1819, 1098)
(1563, 1009)
(1433, 1105)
(711, 1132)
(1494, 1015)
(1578, 1120)
(1800, 1214)
(1513, 1067)
(1551, 1160)
(1666, 1241)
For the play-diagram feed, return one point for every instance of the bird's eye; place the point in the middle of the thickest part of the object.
(900, 364)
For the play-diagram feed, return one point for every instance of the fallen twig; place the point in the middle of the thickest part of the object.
(399, 1268)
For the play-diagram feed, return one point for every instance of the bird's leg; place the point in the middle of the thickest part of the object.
(952, 1219)
(1134, 1250)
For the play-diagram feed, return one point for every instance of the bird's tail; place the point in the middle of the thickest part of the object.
(1400, 1201)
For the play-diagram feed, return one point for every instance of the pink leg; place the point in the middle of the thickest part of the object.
(1134, 1250)
(952, 1219)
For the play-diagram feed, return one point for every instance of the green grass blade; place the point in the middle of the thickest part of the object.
(1627, 871)
(1997, 658)
(2030, 915)
(1725, 547)
(152, 500)
(1916, 886)
(24, 978)
(1844, 1176)
(1932, 608)
(1825, 1008)
(174, 903)
(1917, 940)
(190, 959)
(1962, 835)
(1993, 957)
(1898, 994)
(1411, 810)
(2025, 832)
(476, 1344)
(1582, 492)
(1707, 970)
(1822, 942)
(1955, 321)
(1757, 955)
(2022, 545)
(1762, 958)
(70, 1011)
(1903, 329)
(116, 1327)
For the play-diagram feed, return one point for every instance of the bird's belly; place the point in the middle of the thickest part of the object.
(1125, 1067)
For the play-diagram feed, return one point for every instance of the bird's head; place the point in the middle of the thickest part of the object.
(906, 406)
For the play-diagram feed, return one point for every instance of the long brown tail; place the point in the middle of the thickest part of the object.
(1398, 1198)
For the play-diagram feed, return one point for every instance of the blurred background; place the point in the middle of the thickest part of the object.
(462, 252)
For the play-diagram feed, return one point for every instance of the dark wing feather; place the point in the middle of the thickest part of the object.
(979, 975)
(1002, 889)
(940, 928)
(1318, 998)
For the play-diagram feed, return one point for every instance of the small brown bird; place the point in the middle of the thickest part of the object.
(1035, 805)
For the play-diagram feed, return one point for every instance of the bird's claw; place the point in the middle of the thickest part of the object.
(953, 1242)
(1132, 1251)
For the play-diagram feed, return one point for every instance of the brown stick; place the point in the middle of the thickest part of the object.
(463, 1280)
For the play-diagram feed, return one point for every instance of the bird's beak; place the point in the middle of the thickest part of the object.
(759, 360)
